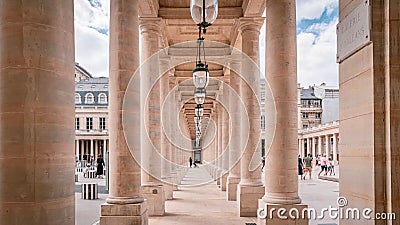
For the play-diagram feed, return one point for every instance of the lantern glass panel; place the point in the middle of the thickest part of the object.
(200, 77)
(197, 12)
(200, 96)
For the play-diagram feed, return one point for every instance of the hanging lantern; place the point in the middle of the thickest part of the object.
(199, 110)
(204, 12)
(197, 120)
(200, 95)
(201, 75)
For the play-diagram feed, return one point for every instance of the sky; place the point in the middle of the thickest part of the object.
(316, 39)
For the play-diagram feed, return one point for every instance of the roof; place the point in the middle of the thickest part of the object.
(93, 84)
(308, 94)
(82, 70)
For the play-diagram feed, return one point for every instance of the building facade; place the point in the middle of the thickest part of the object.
(91, 114)
(318, 108)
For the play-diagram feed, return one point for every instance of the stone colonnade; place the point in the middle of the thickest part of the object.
(126, 203)
(244, 185)
(37, 129)
(321, 140)
(95, 147)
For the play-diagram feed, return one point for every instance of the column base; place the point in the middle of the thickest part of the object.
(218, 177)
(155, 197)
(268, 214)
(247, 199)
(169, 191)
(231, 188)
(223, 181)
(126, 214)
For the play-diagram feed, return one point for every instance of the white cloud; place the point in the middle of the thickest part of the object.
(313, 9)
(91, 42)
(316, 55)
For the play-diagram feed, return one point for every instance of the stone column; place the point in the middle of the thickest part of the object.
(104, 148)
(125, 204)
(313, 146)
(335, 158)
(152, 188)
(164, 148)
(173, 150)
(218, 146)
(91, 147)
(234, 145)
(309, 144)
(327, 145)
(302, 147)
(225, 139)
(250, 188)
(77, 148)
(319, 145)
(299, 146)
(37, 132)
(281, 183)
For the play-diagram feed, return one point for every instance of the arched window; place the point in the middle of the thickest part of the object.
(77, 98)
(89, 98)
(102, 98)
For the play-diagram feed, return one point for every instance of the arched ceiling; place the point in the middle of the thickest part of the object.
(179, 27)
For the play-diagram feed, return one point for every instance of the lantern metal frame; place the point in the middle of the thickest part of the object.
(204, 24)
(200, 95)
(199, 110)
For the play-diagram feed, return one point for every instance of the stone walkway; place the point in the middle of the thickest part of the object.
(200, 205)
(207, 205)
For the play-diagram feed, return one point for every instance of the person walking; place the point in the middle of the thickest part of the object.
(190, 162)
(331, 167)
(308, 166)
(323, 165)
(300, 167)
(263, 162)
(100, 166)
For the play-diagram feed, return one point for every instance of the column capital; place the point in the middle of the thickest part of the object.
(155, 26)
(151, 24)
(250, 24)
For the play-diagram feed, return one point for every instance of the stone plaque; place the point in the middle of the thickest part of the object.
(353, 32)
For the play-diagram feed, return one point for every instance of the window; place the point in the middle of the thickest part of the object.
(102, 98)
(77, 98)
(318, 115)
(77, 123)
(305, 126)
(102, 123)
(89, 123)
(89, 98)
(305, 115)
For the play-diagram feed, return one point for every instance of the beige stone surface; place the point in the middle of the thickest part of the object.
(273, 218)
(200, 205)
(124, 60)
(150, 91)
(247, 199)
(367, 122)
(231, 188)
(235, 141)
(37, 112)
(155, 197)
(281, 181)
(126, 214)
